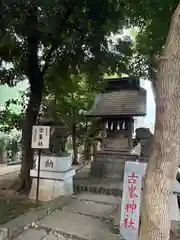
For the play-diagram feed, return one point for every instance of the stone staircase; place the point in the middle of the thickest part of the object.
(98, 186)
(107, 186)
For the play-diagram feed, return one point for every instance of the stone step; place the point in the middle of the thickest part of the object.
(97, 210)
(99, 198)
(93, 188)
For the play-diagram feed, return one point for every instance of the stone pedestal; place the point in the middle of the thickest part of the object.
(56, 178)
(54, 164)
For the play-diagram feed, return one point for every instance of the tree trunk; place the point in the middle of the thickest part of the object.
(87, 150)
(36, 89)
(1, 157)
(75, 153)
(164, 160)
(30, 120)
(86, 143)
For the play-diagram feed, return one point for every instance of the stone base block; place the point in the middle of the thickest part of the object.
(54, 163)
(53, 175)
(107, 169)
(109, 165)
(52, 184)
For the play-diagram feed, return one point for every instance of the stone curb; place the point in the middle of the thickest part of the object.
(16, 226)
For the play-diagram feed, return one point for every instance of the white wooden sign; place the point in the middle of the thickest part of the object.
(130, 206)
(40, 137)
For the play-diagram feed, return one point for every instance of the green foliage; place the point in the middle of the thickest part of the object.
(69, 103)
(13, 146)
(152, 18)
(51, 41)
(71, 36)
(9, 119)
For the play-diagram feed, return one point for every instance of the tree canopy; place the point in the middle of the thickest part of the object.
(153, 20)
(73, 33)
(47, 42)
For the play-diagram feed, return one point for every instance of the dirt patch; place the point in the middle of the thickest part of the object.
(12, 205)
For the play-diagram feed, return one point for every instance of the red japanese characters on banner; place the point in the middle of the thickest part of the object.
(132, 190)
(129, 222)
(132, 178)
(130, 205)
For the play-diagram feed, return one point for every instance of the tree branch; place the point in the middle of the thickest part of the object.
(55, 43)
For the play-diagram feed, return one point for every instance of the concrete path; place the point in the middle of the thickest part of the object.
(4, 169)
(85, 216)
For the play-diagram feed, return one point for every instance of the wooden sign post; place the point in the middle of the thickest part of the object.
(40, 140)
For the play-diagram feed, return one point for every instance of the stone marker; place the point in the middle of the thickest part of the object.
(130, 207)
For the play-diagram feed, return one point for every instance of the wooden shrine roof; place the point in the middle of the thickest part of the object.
(127, 102)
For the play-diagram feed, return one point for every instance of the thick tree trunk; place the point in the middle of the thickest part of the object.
(30, 120)
(75, 153)
(36, 89)
(164, 160)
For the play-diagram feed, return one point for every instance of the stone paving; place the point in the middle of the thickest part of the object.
(85, 216)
